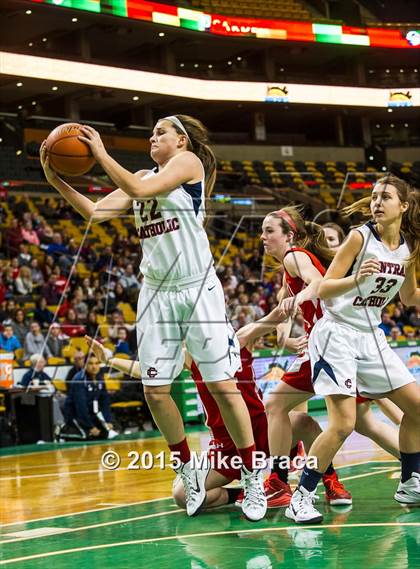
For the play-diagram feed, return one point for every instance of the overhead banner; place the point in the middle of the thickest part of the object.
(131, 80)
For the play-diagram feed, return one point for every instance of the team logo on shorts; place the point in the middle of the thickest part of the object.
(347, 383)
(152, 372)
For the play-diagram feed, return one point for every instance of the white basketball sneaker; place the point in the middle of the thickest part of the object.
(301, 508)
(194, 481)
(409, 491)
(254, 502)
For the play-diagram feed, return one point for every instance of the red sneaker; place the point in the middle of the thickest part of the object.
(277, 492)
(239, 499)
(299, 450)
(335, 493)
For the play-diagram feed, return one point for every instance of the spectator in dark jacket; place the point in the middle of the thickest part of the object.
(87, 404)
(42, 314)
(78, 365)
(122, 345)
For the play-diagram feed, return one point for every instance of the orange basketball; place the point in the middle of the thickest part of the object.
(68, 155)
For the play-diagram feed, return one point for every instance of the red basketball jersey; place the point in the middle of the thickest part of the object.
(311, 309)
(246, 385)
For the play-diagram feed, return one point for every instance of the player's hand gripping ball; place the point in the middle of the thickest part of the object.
(67, 154)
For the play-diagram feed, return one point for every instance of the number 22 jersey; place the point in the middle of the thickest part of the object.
(361, 307)
(174, 241)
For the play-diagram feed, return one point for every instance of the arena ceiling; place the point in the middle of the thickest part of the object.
(52, 32)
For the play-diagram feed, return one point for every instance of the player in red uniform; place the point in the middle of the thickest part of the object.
(302, 248)
(221, 444)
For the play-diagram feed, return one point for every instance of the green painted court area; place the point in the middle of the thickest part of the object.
(376, 533)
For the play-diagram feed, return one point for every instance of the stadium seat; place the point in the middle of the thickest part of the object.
(79, 344)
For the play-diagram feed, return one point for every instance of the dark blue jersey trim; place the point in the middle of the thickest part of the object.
(195, 191)
(378, 237)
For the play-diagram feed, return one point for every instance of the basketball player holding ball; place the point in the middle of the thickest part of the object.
(182, 298)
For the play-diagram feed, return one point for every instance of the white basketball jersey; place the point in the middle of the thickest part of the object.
(174, 243)
(361, 307)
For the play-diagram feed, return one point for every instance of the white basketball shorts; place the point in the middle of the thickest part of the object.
(344, 359)
(196, 316)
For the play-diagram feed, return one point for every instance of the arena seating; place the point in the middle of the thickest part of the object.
(323, 180)
(270, 9)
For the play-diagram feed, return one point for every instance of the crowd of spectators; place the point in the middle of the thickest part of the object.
(45, 302)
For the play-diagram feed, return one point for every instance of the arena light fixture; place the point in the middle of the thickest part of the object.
(61, 71)
(242, 26)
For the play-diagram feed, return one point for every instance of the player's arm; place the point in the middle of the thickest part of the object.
(335, 282)
(299, 264)
(281, 295)
(254, 330)
(409, 292)
(181, 168)
(102, 210)
(128, 367)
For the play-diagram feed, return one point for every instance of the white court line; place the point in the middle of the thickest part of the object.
(92, 526)
(201, 535)
(62, 446)
(382, 471)
(15, 467)
(157, 467)
(57, 517)
(59, 474)
(154, 500)
(8, 469)
(125, 520)
(365, 462)
(73, 472)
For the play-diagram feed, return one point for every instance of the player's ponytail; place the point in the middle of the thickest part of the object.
(410, 222)
(316, 242)
(199, 144)
(306, 234)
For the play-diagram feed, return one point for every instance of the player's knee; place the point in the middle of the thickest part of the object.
(276, 406)
(363, 424)
(345, 429)
(303, 423)
(178, 495)
(225, 392)
(412, 414)
(156, 397)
